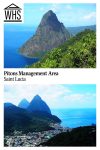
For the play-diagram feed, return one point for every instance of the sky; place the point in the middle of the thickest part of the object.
(75, 14)
(55, 95)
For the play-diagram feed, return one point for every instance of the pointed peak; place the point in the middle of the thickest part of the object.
(37, 104)
(23, 103)
(37, 97)
(24, 100)
(50, 19)
(50, 12)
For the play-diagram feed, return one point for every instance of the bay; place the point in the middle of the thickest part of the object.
(14, 38)
(76, 117)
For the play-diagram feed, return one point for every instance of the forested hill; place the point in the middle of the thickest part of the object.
(78, 52)
(80, 136)
(75, 30)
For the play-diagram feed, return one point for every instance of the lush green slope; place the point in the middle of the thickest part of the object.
(81, 136)
(76, 30)
(19, 119)
(78, 52)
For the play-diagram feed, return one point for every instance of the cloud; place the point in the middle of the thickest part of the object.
(68, 7)
(78, 100)
(90, 16)
(55, 95)
(49, 93)
(74, 97)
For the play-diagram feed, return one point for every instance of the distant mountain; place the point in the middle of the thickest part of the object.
(37, 104)
(28, 120)
(74, 30)
(23, 104)
(49, 34)
(78, 52)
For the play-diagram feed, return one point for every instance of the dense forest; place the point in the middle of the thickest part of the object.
(81, 136)
(18, 119)
(78, 52)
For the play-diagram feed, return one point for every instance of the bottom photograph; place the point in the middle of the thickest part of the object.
(49, 115)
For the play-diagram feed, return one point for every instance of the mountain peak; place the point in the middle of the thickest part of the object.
(50, 19)
(23, 104)
(37, 104)
(50, 12)
(37, 96)
(50, 34)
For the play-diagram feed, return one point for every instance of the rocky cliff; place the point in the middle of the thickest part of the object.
(50, 34)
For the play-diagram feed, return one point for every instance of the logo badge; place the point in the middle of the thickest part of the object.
(13, 13)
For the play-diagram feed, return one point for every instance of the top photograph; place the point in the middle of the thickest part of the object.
(51, 36)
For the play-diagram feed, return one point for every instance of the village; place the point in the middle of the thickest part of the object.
(34, 138)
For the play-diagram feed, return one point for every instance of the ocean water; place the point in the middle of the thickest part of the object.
(14, 38)
(76, 117)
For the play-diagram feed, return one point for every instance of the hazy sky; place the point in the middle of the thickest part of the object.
(74, 14)
(55, 95)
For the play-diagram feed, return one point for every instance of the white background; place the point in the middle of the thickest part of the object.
(66, 76)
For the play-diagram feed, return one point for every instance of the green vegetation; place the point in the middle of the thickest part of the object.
(21, 120)
(78, 52)
(81, 136)
(26, 125)
(75, 30)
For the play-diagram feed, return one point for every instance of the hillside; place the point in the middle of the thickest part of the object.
(37, 104)
(78, 52)
(19, 119)
(7, 104)
(81, 136)
(75, 30)
(23, 103)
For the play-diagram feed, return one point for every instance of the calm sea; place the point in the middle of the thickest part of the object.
(76, 117)
(14, 38)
